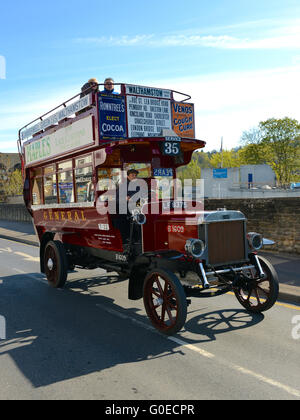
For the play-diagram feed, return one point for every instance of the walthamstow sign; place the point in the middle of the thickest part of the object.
(58, 116)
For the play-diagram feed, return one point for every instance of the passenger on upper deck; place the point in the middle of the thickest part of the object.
(109, 86)
(90, 86)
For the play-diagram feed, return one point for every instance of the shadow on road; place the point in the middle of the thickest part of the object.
(210, 324)
(55, 335)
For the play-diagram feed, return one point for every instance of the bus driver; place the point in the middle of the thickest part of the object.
(123, 213)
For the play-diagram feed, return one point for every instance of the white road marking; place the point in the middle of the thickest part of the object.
(196, 349)
(8, 249)
(191, 347)
(204, 353)
(266, 380)
(27, 257)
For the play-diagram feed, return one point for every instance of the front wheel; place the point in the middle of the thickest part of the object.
(165, 301)
(258, 294)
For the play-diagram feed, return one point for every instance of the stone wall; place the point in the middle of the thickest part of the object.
(275, 218)
(14, 212)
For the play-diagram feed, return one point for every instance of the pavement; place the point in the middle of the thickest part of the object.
(286, 265)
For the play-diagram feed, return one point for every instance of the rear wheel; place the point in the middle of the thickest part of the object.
(55, 264)
(165, 301)
(256, 294)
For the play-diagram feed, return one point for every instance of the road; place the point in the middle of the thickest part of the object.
(88, 341)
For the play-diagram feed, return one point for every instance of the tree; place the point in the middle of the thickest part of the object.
(281, 142)
(190, 171)
(226, 159)
(14, 186)
(275, 142)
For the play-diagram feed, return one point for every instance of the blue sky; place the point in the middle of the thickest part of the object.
(239, 60)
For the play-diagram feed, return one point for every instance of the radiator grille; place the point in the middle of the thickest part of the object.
(226, 242)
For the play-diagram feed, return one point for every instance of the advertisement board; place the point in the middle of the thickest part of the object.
(112, 116)
(147, 117)
(183, 120)
(75, 135)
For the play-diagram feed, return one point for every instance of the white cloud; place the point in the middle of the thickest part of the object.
(17, 115)
(268, 34)
(226, 104)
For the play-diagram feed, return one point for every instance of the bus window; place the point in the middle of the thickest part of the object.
(65, 165)
(107, 177)
(65, 187)
(50, 193)
(37, 191)
(83, 161)
(143, 168)
(84, 184)
(84, 179)
(36, 176)
(164, 182)
(65, 182)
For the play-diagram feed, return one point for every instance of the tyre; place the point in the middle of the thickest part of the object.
(165, 301)
(55, 264)
(256, 294)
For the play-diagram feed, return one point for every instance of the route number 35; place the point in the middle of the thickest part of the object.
(171, 148)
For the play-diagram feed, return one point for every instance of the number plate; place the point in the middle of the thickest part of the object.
(175, 229)
(170, 148)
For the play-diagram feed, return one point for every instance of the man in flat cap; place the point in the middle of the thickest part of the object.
(124, 191)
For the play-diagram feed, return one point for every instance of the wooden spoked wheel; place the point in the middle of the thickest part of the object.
(165, 301)
(258, 294)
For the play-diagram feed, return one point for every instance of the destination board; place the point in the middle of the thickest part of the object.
(147, 117)
(148, 91)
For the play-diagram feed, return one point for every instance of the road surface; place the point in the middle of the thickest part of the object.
(88, 341)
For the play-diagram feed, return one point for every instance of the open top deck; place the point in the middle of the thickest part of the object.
(150, 122)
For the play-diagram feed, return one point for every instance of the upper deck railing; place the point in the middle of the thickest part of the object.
(137, 111)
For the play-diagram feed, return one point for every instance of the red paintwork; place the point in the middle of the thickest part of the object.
(80, 225)
(156, 234)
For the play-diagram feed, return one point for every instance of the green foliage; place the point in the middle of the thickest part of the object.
(281, 141)
(14, 185)
(190, 171)
(275, 142)
(11, 184)
(226, 159)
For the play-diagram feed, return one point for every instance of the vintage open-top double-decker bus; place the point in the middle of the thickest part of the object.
(74, 159)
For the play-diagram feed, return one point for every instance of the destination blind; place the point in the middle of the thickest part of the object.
(147, 117)
(148, 91)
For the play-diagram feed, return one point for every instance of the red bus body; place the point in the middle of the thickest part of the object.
(72, 156)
